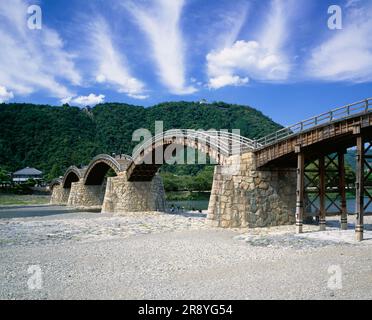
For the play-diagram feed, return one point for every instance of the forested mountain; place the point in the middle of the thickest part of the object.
(53, 138)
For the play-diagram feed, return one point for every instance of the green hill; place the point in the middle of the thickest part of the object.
(53, 138)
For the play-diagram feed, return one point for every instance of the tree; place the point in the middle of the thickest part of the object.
(4, 176)
(54, 138)
(54, 173)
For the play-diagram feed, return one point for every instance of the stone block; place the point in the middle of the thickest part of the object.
(123, 196)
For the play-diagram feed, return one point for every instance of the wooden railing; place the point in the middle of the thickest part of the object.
(229, 143)
(225, 143)
(342, 113)
(108, 158)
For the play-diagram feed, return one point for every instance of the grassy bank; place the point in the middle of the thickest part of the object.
(187, 195)
(14, 199)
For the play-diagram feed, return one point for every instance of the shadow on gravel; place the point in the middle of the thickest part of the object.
(336, 224)
(33, 211)
(11, 207)
(188, 214)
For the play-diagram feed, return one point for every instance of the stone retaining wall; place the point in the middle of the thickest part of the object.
(85, 196)
(242, 196)
(133, 196)
(60, 195)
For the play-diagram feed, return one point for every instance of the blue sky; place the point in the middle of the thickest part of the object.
(278, 56)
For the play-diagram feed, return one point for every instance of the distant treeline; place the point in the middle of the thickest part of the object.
(53, 138)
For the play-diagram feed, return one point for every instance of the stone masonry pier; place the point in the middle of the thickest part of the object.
(243, 196)
(116, 195)
(265, 182)
(86, 196)
(60, 195)
(124, 196)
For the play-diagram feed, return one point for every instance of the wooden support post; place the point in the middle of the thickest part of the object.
(322, 194)
(341, 173)
(300, 192)
(359, 225)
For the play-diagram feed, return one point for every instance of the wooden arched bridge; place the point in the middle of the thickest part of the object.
(153, 153)
(323, 141)
(274, 180)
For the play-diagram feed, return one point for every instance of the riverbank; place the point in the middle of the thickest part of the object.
(14, 199)
(85, 255)
(187, 195)
(187, 200)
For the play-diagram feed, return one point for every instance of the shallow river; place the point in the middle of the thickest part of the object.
(203, 205)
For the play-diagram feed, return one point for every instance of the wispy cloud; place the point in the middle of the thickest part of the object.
(262, 59)
(245, 60)
(32, 60)
(351, 3)
(224, 80)
(346, 55)
(90, 100)
(231, 23)
(161, 24)
(5, 95)
(110, 65)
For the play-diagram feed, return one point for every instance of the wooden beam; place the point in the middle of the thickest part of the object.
(341, 173)
(300, 191)
(359, 226)
(322, 194)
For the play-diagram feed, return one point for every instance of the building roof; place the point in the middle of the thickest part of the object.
(28, 171)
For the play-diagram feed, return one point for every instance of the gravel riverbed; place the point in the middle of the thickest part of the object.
(88, 255)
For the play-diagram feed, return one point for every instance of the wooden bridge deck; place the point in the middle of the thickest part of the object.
(323, 134)
(315, 140)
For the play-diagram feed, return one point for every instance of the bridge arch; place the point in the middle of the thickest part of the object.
(54, 183)
(219, 145)
(59, 195)
(72, 174)
(101, 164)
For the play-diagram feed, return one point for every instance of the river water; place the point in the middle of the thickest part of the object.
(203, 205)
(189, 204)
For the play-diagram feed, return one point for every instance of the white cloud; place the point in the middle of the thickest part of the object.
(227, 80)
(231, 24)
(161, 25)
(111, 65)
(250, 59)
(90, 100)
(261, 60)
(347, 54)
(351, 3)
(5, 95)
(32, 60)
(138, 96)
(275, 31)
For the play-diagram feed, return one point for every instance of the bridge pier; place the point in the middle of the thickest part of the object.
(59, 195)
(322, 194)
(342, 188)
(123, 196)
(300, 189)
(319, 173)
(86, 196)
(243, 196)
(359, 225)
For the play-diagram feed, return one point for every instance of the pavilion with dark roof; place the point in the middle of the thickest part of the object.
(25, 174)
